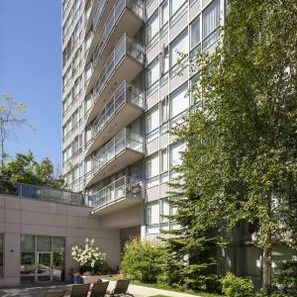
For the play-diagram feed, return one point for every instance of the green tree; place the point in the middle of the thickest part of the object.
(11, 117)
(25, 169)
(241, 157)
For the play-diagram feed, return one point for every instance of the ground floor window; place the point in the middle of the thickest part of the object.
(1, 254)
(42, 258)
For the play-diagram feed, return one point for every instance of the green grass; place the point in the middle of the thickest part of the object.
(162, 287)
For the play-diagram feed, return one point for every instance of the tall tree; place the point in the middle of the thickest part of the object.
(241, 157)
(25, 169)
(11, 116)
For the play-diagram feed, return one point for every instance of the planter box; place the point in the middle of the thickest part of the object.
(90, 279)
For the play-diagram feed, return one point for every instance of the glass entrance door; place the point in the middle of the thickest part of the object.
(44, 267)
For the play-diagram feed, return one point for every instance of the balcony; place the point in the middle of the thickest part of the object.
(90, 14)
(125, 63)
(127, 16)
(124, 149)
(124, 108)
(44, 193)
(120, 194)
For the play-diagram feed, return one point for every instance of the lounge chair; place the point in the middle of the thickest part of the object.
(55, 294)
(121, 288)
(99, 289)
(80, 290)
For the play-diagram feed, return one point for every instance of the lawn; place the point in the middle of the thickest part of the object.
(163, 287)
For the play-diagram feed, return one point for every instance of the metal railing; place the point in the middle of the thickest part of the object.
(126, 139)
(123, 187)
(44, 193)
(124, 94)
(126, 47)
(135, 6)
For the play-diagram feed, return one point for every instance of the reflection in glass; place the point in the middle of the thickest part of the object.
(43, 243)
(27, 262)
(28, 243)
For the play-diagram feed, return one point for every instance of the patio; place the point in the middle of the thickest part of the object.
(40, 290)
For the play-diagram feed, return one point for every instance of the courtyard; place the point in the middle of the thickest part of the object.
(41, 290)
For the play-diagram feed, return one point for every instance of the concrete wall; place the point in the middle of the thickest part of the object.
(27, 216)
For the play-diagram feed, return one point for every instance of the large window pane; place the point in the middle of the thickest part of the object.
(27, 263)
(28, 243)
(58, 244)
(152, 73)
(179, 101)
(152, 166)
(175, 153)
(164, 13)
(152, 119)
(153, 213)
(175, 6)
(152, 26)
(43, 243)
(195, 32)
(210, 23)
(179, 47)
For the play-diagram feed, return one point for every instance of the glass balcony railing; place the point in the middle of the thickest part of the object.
(123, 95)
(44, 193)
(126, 47)
(123, 187)
(98, 13)
(135, 6)
(126, 139)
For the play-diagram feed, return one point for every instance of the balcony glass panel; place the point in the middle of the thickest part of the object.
(122, 188)
(126, 139)
(136, 7)
(124, 94)
(125, 47)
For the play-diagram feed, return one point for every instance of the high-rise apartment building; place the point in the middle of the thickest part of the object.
(124, 88)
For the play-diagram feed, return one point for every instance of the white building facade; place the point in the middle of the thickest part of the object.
(124, 87)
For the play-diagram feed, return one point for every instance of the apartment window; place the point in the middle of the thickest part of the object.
(1, 255)
(153, 213)
(164, 211)
(179, 101)
(210, 24)
(153, 73)
(175, 153)
(165, 111)
(195, 36)
(152, 123)
(164, 15)
(88, 134)
(164, 161)
(88, 102)
(164, 61)
(88, 165)
(76, 89)
(175, 5)
(152, 27)
(179, 47)
(152, 170)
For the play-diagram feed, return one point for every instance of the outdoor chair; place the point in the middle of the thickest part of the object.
(55, 294)
(99, 289)
(121, 288)
(80, 290)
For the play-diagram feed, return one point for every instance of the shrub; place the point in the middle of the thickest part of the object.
(234, 286)
(142, 260)
(286, 280)
(89, 258)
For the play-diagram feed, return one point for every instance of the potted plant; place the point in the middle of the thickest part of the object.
(91, 261)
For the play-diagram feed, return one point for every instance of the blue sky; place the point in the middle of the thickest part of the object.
(30, 72)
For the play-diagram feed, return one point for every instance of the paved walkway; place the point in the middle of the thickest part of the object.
(40, 291)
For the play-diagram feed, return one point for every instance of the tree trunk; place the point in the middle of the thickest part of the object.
(267, 267)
